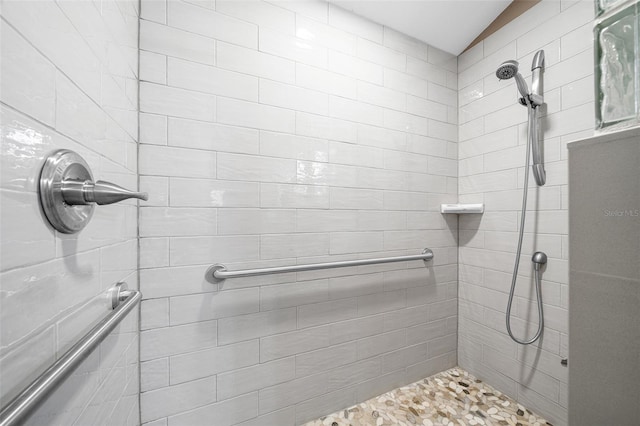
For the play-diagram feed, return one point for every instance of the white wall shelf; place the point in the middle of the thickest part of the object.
(462, 208)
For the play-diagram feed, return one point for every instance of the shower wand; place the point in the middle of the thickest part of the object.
(532, 100)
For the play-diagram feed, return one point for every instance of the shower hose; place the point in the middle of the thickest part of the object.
(532, 122)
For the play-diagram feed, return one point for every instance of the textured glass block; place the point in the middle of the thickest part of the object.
(606, 5)
(618, 67)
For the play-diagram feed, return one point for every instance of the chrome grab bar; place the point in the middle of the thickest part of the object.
(20, 407)
(218, 272)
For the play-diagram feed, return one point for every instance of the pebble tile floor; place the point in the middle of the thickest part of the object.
(452, 397)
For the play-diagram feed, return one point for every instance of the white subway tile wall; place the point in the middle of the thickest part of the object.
(69, 80)
(491, 170)
(275, 133)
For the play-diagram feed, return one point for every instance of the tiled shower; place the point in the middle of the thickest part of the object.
(271, 133)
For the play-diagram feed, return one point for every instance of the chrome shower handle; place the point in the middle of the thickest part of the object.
(68, 194)
(77, 192)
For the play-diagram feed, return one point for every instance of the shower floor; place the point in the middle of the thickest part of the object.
(452, 397)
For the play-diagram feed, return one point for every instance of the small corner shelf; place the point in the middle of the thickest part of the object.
(462, 208)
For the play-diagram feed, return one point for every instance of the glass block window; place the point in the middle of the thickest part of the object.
(617, 55)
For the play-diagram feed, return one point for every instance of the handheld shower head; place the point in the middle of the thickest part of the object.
(509, 69)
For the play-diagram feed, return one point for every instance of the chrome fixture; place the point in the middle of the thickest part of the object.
(18, 410)
(532, 100)
(218, 272)
(68, 194)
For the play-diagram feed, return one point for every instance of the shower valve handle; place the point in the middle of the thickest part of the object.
(77, 192)
(68, 194)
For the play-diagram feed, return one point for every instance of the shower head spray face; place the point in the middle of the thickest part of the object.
(509, 69)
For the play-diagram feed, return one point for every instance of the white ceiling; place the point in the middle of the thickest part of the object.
(450, 25)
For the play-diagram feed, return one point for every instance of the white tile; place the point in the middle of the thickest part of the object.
(213, 193)
(426, 108)
(208, 79)
(25, 362)
(211, 137)
(304, 48)
(381, 343)
(555, 27)
(347, 109)
(28, 79)
(351, 198)
(153, 129)
(383, 138)
(329, 35)
(381, 96)
(203, 250)
(325, 359)
(325, 220)
(154, 252)
(357, 155)
(259, 12)
(298, 390)
(249, 61)
(292, 97)
(292, 146)
(325, 81)
(248, 114)
(317, 126)
(314, 407)
(228, 412)
(212, 24)
(427, 71)
(313, 9)
(214, 305)
(293, 196)
(354, 24)
(58, 40)
(404, 43)
(154, 10)
(396, 160)
(160, 160)
(405, 83)
(255, 168)
(315, 314)
(22, 314)
(410, 123)
(293, 245)
(26, 237)
(577, 93)
(294, 342)
(158, 99)
(354, 373)
(161, 342)
(379, 54)
(354, 67)
(154, 313)
(355, 242)
(172, 221)
(576, 41)
(292, 294)
(175, 399)
(256, 221)
(170, 41)
(256, 377)
(154, 374)
(196, 365)
(442, 59)
(246, 327)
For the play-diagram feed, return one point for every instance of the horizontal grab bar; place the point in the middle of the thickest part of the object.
(218, 272)
(14, 413)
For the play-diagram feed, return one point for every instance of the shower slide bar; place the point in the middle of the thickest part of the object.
(17, 411)
(218, 272)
